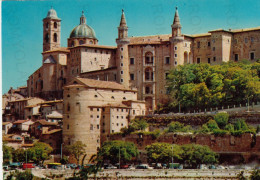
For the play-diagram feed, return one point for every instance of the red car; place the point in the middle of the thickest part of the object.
(28, 165)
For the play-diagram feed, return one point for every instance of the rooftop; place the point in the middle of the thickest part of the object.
(99, 84)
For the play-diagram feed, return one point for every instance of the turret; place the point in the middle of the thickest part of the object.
(177, 40)
(51, 31)
(122, 61)
(176, 25)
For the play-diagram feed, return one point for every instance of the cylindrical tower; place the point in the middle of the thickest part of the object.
(122, 61)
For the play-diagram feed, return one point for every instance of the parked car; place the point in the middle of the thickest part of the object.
(28, 165)
(109, 166)
(143, 166)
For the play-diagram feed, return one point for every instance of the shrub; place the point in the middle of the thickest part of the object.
(221, 119)
(220, 132)
(229, 127)
(212, 125)
(255, 175)
(178, 127)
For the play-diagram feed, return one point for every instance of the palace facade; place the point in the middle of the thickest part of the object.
(136, 62)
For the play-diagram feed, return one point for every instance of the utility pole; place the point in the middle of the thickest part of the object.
(61, 151)
(172, 157)
(119, 157)
(26, 158)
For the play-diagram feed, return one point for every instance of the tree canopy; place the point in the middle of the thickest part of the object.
(163, 152)
(188, 154)
(202, 85)
(77, 150)
(110, 151)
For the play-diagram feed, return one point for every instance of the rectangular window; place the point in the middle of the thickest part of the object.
(122, 49)
(209, 60)
(252, 56)
(122, 80)
(246, 40)
(209, 44)
(175, 48)
(198, 44)
(133, 111)
(252, 39)
(175, 55)
(132, 77)
(213, 49)
(198, 60)
(132, 60)
(236, 57)
(122, 72)
(68, 126)
(122, 64)
(115, 77)
(214, 59)
(98, 126)
(91, 126)
(167, 60)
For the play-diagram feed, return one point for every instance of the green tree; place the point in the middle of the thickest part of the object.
(241, 125)
(178, 127)
(163, 152)
(221, 119)
(139, 124)
(110, 151)
(7, 153)
(194, 154)
(19, 155)
(40, 152)
(212, 125)
(77, 150)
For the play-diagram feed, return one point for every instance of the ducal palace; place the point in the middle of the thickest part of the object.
(141, 63)
(96, 90)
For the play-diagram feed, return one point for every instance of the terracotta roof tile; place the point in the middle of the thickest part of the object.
(101, 84)
(21, 121)
(53, 131)
(60, 49)
(95, 46)
(155, 39)
(46, 123)
(5, 123)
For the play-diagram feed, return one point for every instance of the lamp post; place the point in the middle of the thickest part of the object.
(172, 156)
(119, 157)
(26, 158)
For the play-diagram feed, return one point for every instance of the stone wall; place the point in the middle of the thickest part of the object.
(246, 145)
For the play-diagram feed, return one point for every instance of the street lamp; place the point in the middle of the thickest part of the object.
(119, 157)
(172, 156)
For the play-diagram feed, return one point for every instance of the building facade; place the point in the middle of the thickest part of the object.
(136, 62)
(95, 109)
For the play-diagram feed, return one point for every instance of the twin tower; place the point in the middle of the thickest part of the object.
(52, 31)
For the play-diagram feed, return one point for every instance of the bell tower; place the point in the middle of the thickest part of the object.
(177, 41)
(51, 31)
(122, 61)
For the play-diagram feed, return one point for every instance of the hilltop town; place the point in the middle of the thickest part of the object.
(93, 94)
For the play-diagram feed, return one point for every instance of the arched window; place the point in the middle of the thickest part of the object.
(90, 42)
(148, 74)
(72, 44)
(47, 25)
(46, 38)
(148, 58)
(55, 38)
(81, 42)
(55, 25)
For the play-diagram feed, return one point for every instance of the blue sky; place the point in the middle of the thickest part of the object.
(22, 24)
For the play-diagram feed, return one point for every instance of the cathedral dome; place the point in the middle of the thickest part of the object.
(83, 31)
(52, 14)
